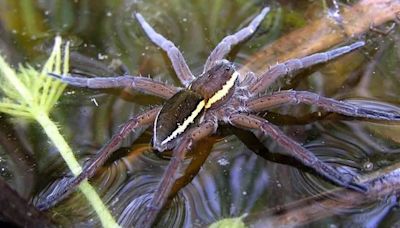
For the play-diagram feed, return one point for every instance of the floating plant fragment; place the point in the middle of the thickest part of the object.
(30, 94)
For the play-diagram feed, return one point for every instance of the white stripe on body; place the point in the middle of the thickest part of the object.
(182, 127)
(222, 92)
(202, 104)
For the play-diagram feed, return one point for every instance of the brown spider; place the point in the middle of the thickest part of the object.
(217, 96)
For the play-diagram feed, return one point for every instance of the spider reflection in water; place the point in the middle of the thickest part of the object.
(216, 97)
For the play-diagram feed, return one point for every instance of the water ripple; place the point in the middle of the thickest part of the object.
(221, 189)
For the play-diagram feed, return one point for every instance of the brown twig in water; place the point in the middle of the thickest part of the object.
(325, 32)
(17, 210)
(383, 183)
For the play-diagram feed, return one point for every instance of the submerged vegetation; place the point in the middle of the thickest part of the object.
(31, 94)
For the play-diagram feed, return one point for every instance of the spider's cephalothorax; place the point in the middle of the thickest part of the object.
(209, 90)
(195, 111)
(217, 84)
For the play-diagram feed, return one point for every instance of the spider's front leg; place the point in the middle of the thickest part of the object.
(141, 84)
(178, 62)
(224, 47)
(328, 104)
(290, 66)
(141, 120)
(184, 145)
(251, 122)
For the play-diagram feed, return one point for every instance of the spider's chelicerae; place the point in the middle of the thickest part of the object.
(217, 96)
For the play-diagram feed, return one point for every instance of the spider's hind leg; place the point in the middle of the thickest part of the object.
(101, 157)
(251, 122)
(170, 175)
(224, 47)
(328, 104)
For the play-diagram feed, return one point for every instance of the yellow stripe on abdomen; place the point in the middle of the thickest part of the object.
(182, 127)
(202, 104)
(224, 91)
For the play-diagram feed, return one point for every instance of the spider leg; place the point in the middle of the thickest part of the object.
(328, 104)
(101, 157)
(178, 62)
(224, 47)
(251, 122)
(171, 174)
(290, 66)
(141, 84)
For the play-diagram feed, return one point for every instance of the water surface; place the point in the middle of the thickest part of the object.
(233, 180)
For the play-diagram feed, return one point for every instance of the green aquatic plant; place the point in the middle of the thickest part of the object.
(236, 222)
(31, 94)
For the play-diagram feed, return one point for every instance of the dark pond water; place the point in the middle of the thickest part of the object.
(106, 41)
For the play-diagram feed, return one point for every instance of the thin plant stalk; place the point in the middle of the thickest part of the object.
(30, 94)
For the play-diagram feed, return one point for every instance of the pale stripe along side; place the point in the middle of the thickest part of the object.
(202, 104)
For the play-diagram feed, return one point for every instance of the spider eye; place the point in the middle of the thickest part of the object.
(227, 69)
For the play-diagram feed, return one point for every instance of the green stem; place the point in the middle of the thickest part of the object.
(91, 195)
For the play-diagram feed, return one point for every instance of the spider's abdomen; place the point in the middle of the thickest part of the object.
(175, 117)
(217, 84)
(179, 112)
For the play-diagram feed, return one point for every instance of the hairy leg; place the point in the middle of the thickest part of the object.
(327, 104)
(163, 190)
(251, 122)
(178, 62)
(141, 84)
(224, 47)
(101, 157)
(290, 66)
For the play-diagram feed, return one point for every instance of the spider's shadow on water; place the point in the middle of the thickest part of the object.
(253, 144)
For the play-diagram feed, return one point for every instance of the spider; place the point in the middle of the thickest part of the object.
(218, 96)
